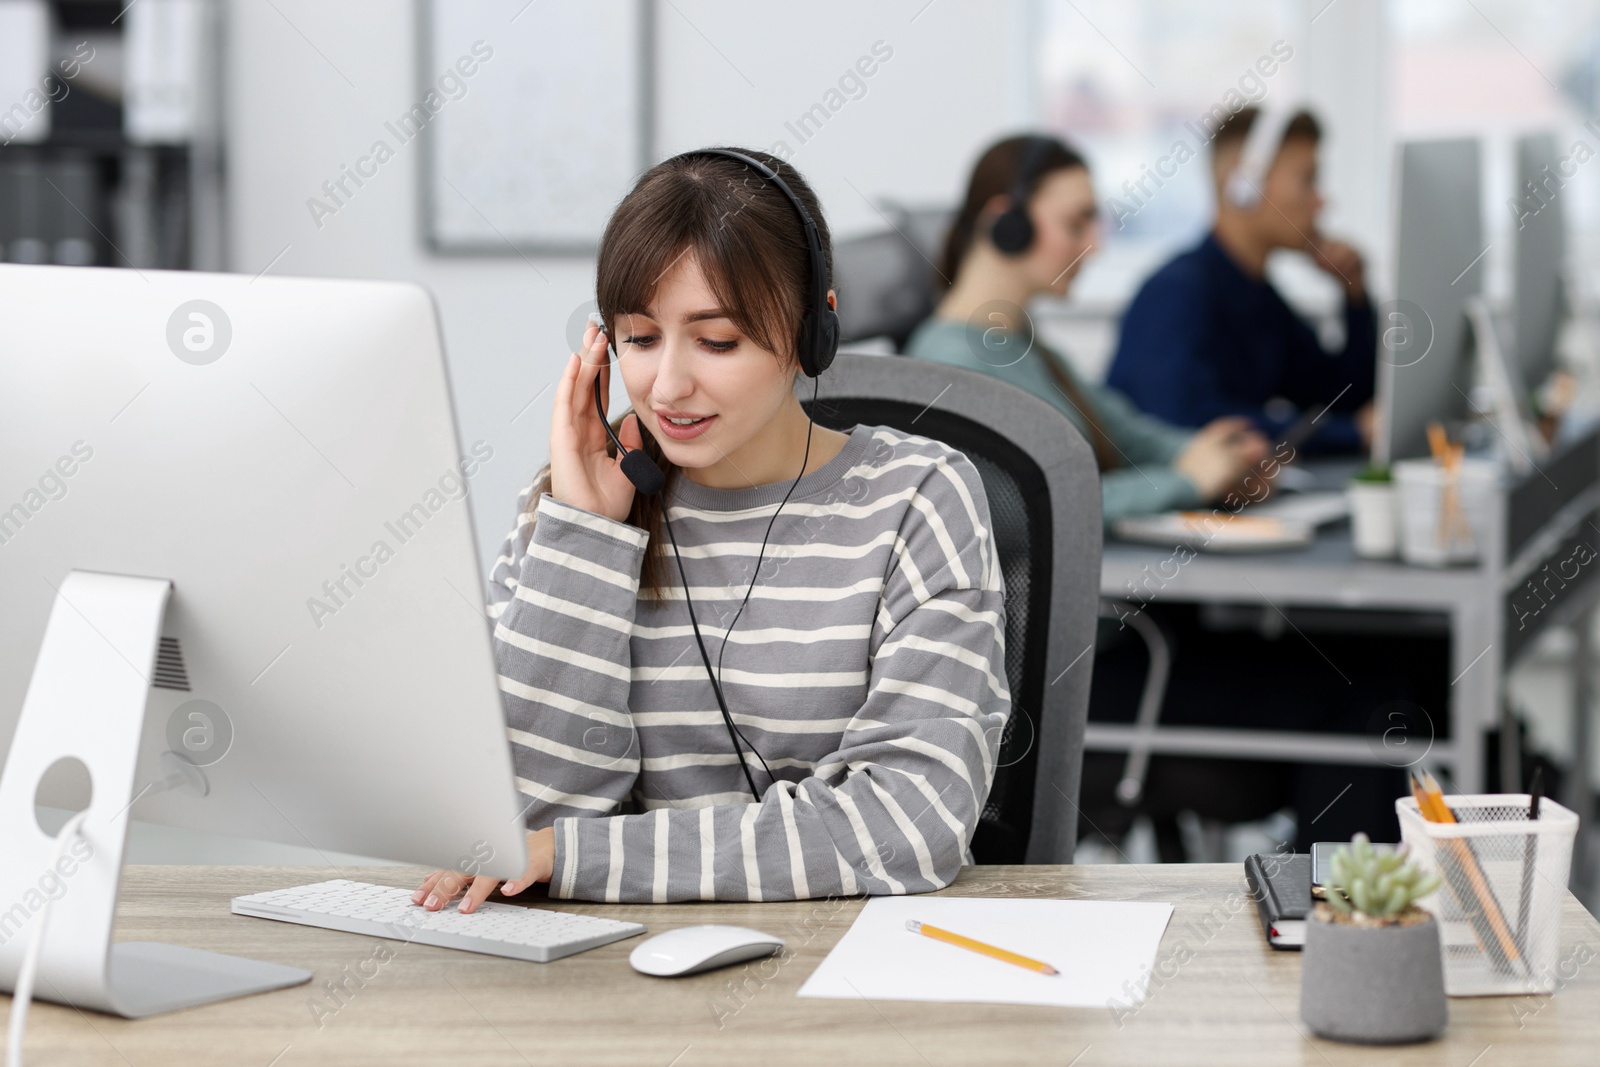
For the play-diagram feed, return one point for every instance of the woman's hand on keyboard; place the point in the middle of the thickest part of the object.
(441, 887)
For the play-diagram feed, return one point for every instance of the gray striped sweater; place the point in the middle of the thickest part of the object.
(868, 669)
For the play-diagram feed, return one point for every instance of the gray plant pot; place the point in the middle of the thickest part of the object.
(1379, 985)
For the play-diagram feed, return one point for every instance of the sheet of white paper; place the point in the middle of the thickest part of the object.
(1104, 949)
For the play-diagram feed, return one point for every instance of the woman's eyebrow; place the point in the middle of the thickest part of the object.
(709, 313)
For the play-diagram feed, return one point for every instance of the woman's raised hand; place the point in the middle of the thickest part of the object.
(581, 473)
(1220, 454)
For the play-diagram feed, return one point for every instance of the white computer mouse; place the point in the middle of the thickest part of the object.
(693, 949)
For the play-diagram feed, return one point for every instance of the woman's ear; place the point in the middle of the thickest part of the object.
(996, 206)
(833, 300)
(993, 208)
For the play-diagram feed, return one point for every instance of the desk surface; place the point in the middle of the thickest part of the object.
(1229, 1000)
(1326, 572)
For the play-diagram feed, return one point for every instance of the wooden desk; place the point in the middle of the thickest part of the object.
(1230, 999)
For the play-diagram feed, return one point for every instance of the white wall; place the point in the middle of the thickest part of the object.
(1347, 85)
(310, 84)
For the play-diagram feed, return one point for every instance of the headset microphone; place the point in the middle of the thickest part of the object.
(638, 467)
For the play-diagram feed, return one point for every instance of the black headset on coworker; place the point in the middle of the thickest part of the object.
(817, 344)
(1012, 232)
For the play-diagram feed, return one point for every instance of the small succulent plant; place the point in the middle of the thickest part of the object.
(1376, 473)
(1379, 883)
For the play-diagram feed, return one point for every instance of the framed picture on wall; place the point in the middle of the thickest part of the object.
(535, 118)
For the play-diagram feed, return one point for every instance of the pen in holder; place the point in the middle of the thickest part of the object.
(1503, 882)
(1453, 527)
(1442, 511)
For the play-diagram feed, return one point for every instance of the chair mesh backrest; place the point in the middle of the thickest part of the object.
(1019, 513)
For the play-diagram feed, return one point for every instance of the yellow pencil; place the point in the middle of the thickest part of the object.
(978, 946)
(1461, 849)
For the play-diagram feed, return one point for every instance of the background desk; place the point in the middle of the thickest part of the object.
(1230, 1000)
(1326, 574)
(1490, 611)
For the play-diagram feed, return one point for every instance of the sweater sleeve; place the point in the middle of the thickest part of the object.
(562, 596)
(1140, 438)
(893, 809)
(1148, 482)
(1130, 492)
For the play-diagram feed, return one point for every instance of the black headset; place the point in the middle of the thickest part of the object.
(1012, 232)
(818, 343)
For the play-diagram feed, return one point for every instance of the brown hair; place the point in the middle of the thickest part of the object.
(996, 174)
(746, 237)
(1236, 127)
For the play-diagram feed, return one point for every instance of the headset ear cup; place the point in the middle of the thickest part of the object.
(805, 345)
(1241, 193)
(1012, 232)
(818, 341)
(826, 345)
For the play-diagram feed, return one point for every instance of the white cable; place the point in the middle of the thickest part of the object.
(23, 994)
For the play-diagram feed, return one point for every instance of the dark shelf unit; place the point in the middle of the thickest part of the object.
(87, 195)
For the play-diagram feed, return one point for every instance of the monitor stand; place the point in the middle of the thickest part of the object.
(86, 700)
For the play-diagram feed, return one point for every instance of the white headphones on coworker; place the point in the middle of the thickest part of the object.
(1261, 144)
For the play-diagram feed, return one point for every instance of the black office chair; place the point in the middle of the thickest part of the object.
(886, 279)
(1044, 505)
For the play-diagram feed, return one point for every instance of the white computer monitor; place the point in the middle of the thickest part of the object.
(1538, 300)
(1424, 334)
(284, 453)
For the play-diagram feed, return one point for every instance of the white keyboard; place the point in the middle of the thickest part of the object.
(1317, 508)
(384, 911)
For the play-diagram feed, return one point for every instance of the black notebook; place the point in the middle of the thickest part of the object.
(1281, 888)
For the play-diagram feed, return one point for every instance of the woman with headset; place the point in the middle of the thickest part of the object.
(1027, 223)
(1024, 229)
(743, 657)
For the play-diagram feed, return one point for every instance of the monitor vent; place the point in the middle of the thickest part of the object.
(170, 673)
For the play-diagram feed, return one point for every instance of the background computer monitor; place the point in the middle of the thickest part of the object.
(1424, 335)
(890, 275)
(285, 452)
(1540, 249)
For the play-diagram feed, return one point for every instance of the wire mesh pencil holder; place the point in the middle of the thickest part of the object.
(1503, 883)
